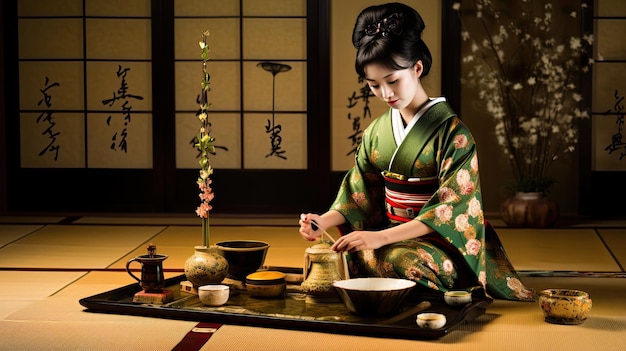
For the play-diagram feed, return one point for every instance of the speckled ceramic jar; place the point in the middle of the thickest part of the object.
(564, 306)
(206, 266)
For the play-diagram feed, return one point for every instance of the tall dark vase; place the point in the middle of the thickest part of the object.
(531, 210)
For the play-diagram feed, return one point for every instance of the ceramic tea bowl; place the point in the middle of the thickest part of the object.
(214, 294)
(266, 284)
(243, 256)
(457, 298)
(373, 296)
(429, 320)
(564, 306)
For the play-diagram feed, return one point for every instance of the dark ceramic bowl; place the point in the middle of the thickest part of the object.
(243, 256)
(374, 296)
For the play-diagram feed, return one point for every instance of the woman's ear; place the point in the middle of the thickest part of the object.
(418, 68)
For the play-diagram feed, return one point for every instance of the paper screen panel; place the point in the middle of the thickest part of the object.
(225, 128)
(610, 8)
(279, 38)
(206, 8)
(224, 38)
(49, 8)
(274, 8)
(609, 43)
(120, 39)
(225, 90)
(118, 8)
(50, 38)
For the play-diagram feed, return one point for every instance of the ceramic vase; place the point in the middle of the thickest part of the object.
(529, 210)
(206, 266)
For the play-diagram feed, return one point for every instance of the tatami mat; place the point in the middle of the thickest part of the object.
(12, 232)
(615, 239)
(557, 250)
(40, 310)
(191, 219)
(66, 246)
(286, 245)
(32, 286)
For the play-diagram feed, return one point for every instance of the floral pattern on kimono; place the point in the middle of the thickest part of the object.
(454, 212)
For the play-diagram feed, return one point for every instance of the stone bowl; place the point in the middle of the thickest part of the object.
(564, 306)
(214, 294)
(373, 296)
(243, 256)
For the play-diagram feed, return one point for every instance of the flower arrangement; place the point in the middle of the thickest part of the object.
(205, 146)
(525, 69)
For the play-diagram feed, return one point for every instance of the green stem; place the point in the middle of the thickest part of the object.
(206, 231)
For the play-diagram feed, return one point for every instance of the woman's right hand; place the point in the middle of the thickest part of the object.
(306, 229)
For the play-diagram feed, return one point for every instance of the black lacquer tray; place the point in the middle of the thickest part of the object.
(290, 312)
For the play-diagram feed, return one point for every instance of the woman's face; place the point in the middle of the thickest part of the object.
(397, 88)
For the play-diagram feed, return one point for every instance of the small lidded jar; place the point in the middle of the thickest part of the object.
(266, 284)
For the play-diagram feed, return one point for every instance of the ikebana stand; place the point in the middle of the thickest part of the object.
(290, 311)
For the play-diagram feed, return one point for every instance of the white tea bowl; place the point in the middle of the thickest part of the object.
(457, 298)
(214, 294)
(429, 320)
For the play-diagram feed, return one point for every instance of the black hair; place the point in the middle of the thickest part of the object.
(390, 34)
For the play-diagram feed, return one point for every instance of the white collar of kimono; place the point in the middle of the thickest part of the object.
(399, 130)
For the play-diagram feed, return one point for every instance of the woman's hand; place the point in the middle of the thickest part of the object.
(359, 240)
(306, 229)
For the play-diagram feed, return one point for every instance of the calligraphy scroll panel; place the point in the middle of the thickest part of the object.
(115, 143)
(284, 92)
(52, 136)
(52, 143)
(350, 114)
(284, 151)
(608, 125)
(68, 95)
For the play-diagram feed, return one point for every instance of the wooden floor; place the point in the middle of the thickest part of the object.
(48, 263)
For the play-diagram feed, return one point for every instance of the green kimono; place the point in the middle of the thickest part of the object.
(464, 251)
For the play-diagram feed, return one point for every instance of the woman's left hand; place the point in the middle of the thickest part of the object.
(359, 240)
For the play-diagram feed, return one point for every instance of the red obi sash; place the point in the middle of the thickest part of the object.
(404, 199)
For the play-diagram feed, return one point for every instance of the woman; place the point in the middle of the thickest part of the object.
(411, 207)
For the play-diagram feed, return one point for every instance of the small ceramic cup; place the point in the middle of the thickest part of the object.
(214, 295)
(429, 320)
(457, 298)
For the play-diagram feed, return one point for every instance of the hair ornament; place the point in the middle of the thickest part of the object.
(389, 25)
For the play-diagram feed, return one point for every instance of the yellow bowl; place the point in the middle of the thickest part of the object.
(266, 284)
